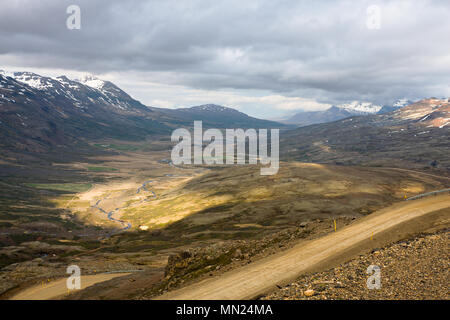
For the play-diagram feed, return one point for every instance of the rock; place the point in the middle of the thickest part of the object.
(303, 224)
(309, 293)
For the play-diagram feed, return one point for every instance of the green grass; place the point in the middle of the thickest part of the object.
(102, 169)
(69, 187)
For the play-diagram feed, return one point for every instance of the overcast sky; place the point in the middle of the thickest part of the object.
(265, 58)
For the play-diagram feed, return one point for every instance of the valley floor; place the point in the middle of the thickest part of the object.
(171, 227)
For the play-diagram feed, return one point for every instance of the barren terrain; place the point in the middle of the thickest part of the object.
(171, 210)
(255, 279)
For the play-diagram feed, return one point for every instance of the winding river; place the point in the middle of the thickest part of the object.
(110, 215)
(125, 224)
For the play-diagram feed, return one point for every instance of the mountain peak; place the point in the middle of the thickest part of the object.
(33, 80)
(400, 103)
(91, 81)
(62, 78)
(360, 107)
(213, 108)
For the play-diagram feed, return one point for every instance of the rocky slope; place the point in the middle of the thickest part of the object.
(414, 269)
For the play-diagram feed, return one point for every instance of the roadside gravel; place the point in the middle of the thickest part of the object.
(418, 268)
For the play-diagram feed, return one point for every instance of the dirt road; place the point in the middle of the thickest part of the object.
(262, 276)
(58, 288)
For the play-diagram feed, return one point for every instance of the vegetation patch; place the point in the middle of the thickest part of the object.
(68, 187)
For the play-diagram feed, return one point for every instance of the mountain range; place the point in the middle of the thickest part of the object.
(415, 136)
(53, 119)
(343, 111)
(40, 114)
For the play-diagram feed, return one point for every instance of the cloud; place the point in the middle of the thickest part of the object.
(306, 54)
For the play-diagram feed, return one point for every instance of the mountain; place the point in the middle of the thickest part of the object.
(415, 136)
(217, 116)
(40, 114)
(334, 113)
(343, 111)
(400, 103)
(307, 118)
(360, 108)
(37, 113)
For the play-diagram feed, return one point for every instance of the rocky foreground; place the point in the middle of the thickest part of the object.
(418, 268)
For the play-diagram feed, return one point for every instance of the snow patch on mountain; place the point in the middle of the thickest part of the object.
(213, 108)
(6, 73)
(400, 103)
(360, 107)
(91, 81)
(31, 79)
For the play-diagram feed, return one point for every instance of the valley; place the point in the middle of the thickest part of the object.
(144, 214)
(202, 159)
(95, 186)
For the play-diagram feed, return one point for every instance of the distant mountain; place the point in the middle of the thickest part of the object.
(39, 113)
(415, 136)
(306, 118)
(343, 111)
(217, 116)
(334, 113)
(360, 108)
(400, 103)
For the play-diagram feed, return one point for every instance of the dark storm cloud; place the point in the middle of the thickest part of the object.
(321, 50)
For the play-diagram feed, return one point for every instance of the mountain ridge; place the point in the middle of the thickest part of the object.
(415, 136)
(39, 113)
(342, 111)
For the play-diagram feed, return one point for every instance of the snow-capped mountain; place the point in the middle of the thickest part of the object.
(83, 92)
(33, 80)
(399, 103)
(429, 113)
(356, 107)
(342, 111)
(334, 113)
(38, 112)
(414, 136)
(91, 81)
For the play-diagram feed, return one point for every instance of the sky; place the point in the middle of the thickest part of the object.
(266, 58)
